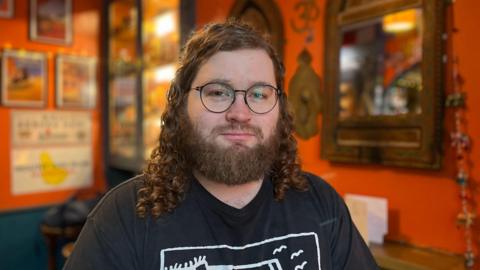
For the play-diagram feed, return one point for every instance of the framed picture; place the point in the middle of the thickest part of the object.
(24, 79)
(6, 8)
(76, 83)
(51, 21)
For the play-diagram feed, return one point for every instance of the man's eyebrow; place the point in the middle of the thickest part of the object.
(229, 83)
(221, 81)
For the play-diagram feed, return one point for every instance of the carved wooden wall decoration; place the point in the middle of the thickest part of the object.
(265, 16)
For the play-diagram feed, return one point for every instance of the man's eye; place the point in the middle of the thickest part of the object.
(259, 95)
(216, 93)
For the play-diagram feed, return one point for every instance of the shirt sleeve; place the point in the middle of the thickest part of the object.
(348, 250)
(107, 239)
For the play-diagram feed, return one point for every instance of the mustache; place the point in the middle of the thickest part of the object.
(238, 127)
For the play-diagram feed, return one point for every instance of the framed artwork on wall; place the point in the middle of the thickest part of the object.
(6, 8)
(24, 79)
(51, 21)
(76, 84)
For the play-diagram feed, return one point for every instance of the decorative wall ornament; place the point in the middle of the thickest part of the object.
(305, 97)
(265, 16)
(461, 143)
(304, 88)
(308, 13)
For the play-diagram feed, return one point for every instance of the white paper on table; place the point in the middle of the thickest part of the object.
(377, 215)
(359, 212)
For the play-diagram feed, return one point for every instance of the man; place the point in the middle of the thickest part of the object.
(223, 190)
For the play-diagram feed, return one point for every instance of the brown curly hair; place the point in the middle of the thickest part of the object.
(167, 174)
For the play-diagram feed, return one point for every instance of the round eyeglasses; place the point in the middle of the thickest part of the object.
(219, 97)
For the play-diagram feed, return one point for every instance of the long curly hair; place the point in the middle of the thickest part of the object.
(167, 175)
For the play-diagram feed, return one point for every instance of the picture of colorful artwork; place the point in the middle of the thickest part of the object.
(24, 79)
(51, 21)
(6, 8)
(76, 82)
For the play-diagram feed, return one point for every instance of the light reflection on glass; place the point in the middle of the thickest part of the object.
(380, 72)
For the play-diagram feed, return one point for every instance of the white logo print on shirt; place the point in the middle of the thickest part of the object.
(293, 251)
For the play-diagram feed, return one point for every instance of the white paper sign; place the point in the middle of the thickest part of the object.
(359, 213)
(377, 215)
(47, 128)
(51, 151)
(51, 169)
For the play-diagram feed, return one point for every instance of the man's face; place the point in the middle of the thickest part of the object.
(238, 126)
(238, 145)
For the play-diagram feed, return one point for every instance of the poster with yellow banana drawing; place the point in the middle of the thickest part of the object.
(51, 151)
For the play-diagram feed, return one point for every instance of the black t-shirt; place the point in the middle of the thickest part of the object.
(305, 230)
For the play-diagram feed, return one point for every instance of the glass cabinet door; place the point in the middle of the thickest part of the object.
(144, 41)
(161, 42)
(122, 82)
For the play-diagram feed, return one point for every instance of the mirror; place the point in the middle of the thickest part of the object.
(380, 67)
(383, 82)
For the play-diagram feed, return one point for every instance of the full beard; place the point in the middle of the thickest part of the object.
(233, 165)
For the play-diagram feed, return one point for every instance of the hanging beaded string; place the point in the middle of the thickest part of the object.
(460, 141)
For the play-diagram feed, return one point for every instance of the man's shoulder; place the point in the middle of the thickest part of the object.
(317, 184)
(124, 194)
(318, 192)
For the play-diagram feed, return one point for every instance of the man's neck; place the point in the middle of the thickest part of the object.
(235, 195)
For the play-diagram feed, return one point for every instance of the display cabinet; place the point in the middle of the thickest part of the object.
(144, 40)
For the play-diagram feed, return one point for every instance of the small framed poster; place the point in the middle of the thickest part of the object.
(6, 8)
(51, 21)
(76, 83)
(24, 79)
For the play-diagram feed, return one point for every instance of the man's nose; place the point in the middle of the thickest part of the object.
(239, 111)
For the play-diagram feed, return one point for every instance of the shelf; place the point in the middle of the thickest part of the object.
(397, 256)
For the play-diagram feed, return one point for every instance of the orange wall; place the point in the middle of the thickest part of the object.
(422, 204)
(86, 42)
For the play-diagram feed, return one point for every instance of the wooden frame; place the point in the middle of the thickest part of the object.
(411, 139)
(51, 21)
(265, 16)
(24, 79)
(76, 83)
(6, 8)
